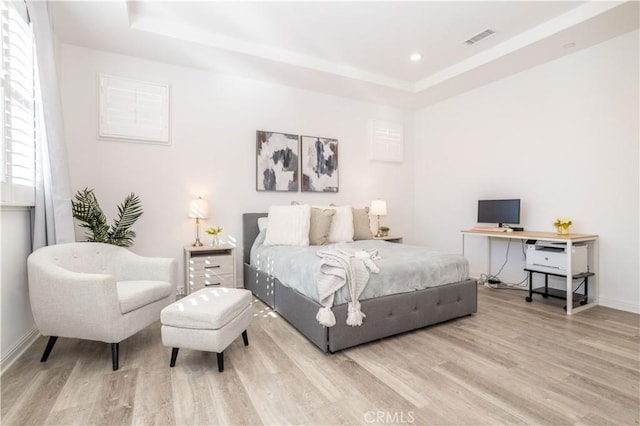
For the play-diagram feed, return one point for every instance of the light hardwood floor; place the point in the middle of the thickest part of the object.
(512, 362)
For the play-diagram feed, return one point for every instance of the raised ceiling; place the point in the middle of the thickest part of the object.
(353, 49)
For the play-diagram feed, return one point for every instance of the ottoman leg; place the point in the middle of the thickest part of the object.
(245, 338)
(174, 355)
(220, 361)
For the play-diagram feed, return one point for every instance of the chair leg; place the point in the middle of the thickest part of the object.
(220, 361)
(174, 355)
(114, 355)
(47, 350)
(245, 338)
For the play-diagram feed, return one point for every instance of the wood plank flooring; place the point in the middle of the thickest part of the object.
(511, 363)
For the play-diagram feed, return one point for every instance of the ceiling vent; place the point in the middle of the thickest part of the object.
(480, 36)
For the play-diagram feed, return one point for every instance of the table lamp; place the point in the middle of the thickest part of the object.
(378, 208)
(198, 209)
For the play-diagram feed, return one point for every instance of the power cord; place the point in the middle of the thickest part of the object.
(492, 280)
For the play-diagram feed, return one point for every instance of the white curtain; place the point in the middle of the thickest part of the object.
(53, 220)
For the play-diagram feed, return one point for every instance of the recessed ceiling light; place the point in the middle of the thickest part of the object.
(415, 57)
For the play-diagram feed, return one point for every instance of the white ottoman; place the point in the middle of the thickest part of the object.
(207, 320)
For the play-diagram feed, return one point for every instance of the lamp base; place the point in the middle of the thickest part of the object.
(379, 233)
(198, 243)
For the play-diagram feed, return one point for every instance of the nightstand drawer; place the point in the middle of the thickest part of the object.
(207, 273)
(209, 267)
(213, 264)
(198, 283)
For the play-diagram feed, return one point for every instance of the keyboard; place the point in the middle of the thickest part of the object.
(488, 229)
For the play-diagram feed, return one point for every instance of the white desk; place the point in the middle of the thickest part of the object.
(592, 244)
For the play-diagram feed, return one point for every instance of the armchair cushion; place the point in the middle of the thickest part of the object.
(136, 294)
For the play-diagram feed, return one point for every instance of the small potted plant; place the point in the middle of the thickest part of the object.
(214, 234)
(562, 225)
(384, 231)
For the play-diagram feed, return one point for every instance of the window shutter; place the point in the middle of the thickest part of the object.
(386, 141)
(132, 109)
(17, 106)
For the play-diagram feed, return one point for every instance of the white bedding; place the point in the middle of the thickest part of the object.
(403, 268)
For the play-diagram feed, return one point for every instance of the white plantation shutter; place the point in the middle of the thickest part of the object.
(132, 109)
(17, 106)
(386, 141)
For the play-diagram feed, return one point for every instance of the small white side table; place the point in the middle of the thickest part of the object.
(390, 238)
(209, 266)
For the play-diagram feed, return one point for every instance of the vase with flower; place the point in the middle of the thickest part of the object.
(562, 225)
(214, 232)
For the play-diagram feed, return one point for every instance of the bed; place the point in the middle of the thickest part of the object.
(385, 315)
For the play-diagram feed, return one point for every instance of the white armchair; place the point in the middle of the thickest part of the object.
(97, 291)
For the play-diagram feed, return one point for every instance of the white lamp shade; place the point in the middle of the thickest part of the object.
(378, 208)
(198, 209)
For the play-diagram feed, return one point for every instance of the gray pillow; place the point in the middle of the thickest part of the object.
(361, 224)
(320, 226)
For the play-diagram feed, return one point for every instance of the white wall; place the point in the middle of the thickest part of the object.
(18, 327)
(214, 119)
(563, 137)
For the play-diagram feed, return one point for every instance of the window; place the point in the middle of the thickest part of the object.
(133, 109)
(386, 141)
(17, 105)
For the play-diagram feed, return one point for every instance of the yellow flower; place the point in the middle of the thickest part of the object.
(214, 231)
(564, 222)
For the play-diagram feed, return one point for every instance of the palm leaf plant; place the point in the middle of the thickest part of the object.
(87, 211)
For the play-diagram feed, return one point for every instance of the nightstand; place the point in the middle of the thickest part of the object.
(389, 238)
(209, 266)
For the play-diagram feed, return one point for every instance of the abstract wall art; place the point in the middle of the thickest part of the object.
(319, 164)
(277, 159)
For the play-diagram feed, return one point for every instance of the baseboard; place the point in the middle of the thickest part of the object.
(623, 305)
(18, 349)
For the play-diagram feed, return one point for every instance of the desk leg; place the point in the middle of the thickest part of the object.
(569, 278)
(488, 255)
(462, 244)
(585, 300)
(595, 268)
(529, 298)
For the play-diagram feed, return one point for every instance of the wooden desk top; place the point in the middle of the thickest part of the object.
(533, 235)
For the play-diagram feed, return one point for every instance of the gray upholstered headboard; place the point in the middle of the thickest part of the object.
(250, 232)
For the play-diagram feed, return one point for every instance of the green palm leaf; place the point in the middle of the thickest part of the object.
(87, 211)
(128, 213)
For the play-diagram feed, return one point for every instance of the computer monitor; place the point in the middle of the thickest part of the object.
(499, 211)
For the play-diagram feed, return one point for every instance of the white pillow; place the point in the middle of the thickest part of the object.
(288, 225)
(341, 225)
(262, 223)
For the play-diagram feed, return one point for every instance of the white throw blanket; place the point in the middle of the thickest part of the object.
(342, 266)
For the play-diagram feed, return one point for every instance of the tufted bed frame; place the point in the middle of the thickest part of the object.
(386, 316)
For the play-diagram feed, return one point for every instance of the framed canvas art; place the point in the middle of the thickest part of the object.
(319, 164)
(277, 159)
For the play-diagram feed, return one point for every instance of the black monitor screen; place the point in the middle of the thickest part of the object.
(499, 211)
